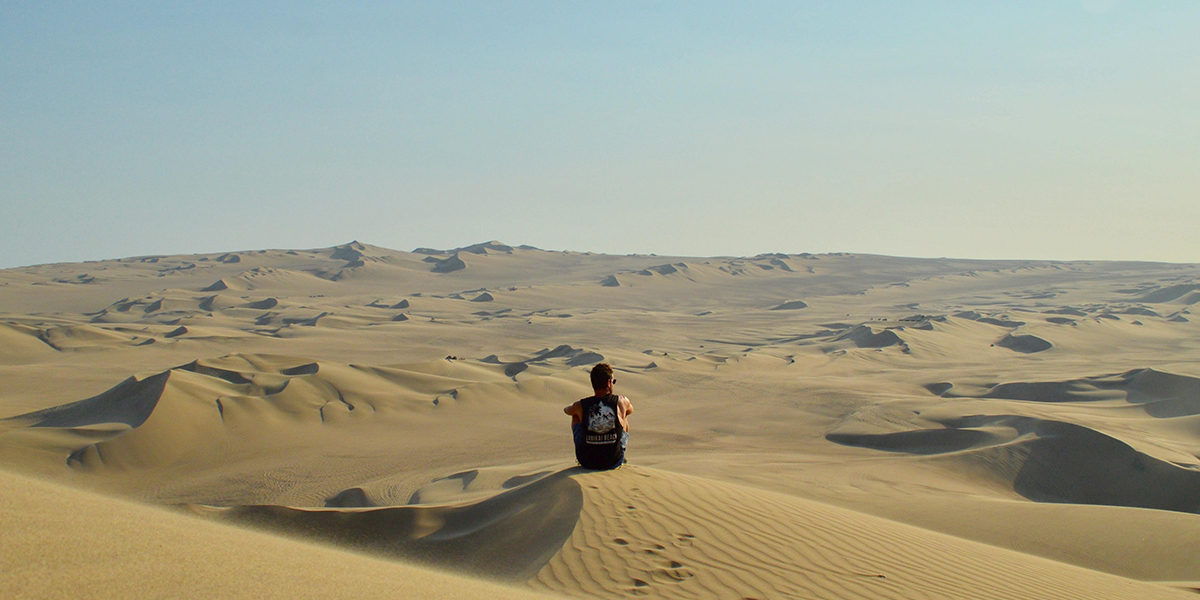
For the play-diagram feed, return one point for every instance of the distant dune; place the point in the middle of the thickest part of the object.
(367, 422)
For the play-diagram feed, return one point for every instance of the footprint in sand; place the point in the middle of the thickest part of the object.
(673, 572)
(684, 539)
(672, 575)
(621, 541)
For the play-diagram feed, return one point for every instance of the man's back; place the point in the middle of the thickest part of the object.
(598, 444)
(600, 423)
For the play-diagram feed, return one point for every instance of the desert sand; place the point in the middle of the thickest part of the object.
(364, 422)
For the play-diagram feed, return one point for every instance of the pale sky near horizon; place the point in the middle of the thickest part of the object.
(1058, 129)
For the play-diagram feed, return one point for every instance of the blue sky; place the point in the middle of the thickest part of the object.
(1060, 129)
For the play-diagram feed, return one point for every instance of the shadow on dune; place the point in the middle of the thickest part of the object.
(510, 536)
(1025, 344)
(921, 441)
(864, 336)
(1075, 464)
(1161, 394)
(1049, 461)
(130, 402)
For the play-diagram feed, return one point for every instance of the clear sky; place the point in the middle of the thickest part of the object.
(1056, 129)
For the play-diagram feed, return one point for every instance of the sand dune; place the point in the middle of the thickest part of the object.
(449, 264)
(509, 536)
(655, 533)
(1050, 461)
(222, 285)
(1025, 344)
(914, 428)
(1160, 394)
(93, 546)
(22, 344)
(1182, 294)
(791, 305)
(650, 533)
(864, 336)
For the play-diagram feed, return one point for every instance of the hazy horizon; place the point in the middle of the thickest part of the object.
(517, 245)
(1060, 130)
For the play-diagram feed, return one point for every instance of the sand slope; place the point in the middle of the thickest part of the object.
(652, 533)
(660, 535)
(65, 543)
(829, 425)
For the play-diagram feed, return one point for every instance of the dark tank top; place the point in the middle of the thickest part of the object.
(600, 445)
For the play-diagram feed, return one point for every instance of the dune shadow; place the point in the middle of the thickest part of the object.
(130, 402)
(1049, 461)
(1161, 394)
(510, 536)
(1078, 465)
(921, 441)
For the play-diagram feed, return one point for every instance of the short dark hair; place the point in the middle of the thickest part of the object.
(601, 374)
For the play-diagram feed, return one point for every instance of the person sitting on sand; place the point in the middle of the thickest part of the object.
(600, 424)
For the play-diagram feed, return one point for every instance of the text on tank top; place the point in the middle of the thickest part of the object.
(600, 422)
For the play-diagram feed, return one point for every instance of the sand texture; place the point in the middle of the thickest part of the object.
(363, 422)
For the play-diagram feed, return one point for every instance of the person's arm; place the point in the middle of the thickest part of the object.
(626, 409)
(576, 412)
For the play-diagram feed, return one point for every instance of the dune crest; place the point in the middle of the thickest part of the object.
(877, 439)
(651, 533)
(89, 541)
(509, 536)
(1025, 344)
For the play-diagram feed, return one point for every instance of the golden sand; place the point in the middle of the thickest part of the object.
(358, 421)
